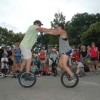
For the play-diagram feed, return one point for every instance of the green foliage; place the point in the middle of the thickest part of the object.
(59, 18)
(92, 34)
(8, 37)
(44, 39)
(79, 24)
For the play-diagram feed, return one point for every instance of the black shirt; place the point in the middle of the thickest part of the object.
(83, 53)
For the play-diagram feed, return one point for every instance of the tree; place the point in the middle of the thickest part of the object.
(59, 18)
(92, 34)
(9, 37)
(79, 24)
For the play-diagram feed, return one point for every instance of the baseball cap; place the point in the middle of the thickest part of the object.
(38, 22)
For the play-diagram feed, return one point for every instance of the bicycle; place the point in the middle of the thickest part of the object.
(54, 68)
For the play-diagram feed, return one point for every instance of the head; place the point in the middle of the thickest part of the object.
(88, 47)
(60, 26)
(53, 49)
(4, 55)
(38, 23)
(8, 48)
(75, 51)
(41, 51)
(93, 44)
(17, 43)
(83, 47)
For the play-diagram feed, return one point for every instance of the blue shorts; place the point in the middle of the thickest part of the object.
(68, 53)
(17, 60)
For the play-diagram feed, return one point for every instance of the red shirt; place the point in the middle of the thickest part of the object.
(93, 52)
(42, 56)
(76, 56)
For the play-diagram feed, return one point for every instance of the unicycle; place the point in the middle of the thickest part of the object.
(27, 83)
(67, 81)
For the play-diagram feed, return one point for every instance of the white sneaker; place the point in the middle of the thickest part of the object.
(73, 79)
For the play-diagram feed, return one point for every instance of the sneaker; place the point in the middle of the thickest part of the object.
(72, 80)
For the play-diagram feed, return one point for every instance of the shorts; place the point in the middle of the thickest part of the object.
(94, 59)
(68, 53)
(26, 52)
(17, 60)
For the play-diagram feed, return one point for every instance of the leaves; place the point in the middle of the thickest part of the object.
(79, 24)
(9, 37)
(92, 34)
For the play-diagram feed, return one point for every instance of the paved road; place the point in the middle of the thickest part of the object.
(50, 88)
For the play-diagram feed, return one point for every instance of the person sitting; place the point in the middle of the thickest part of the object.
(4, 64)
(80, 68)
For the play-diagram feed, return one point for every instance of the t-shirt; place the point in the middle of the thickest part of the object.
(76, 56)
(30, 37)
(53, 56)
(9, 53)
(83, 53)
(42, 56)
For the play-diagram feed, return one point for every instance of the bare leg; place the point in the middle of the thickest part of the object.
(78, 70)
(28, 65)
(64, 60)
(22, 65)
(92, 66)
(97, 64)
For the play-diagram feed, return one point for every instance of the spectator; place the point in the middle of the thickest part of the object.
(94, 54)
(53, 58)
(83, 54)
(17, 56)
(80, 68)
(1, 53)
(4, 64)
(76, 55)
(88, 59)
(43, 59)
(9, 55)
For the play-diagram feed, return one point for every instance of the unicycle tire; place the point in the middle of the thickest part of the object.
(27, 83)
(66, 77)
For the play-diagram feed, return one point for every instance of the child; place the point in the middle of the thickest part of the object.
(35, 69)
(4, 65)
(80, 68)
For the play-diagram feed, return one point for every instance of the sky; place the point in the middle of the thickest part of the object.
(18, 15)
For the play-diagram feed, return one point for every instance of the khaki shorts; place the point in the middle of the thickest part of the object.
(26, 52)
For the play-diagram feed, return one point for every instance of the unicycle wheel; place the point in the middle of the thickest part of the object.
(67, 81)
(27, 82)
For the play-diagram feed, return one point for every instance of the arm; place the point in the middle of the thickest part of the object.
(49, 31)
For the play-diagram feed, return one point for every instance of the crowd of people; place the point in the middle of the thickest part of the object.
(86, 59)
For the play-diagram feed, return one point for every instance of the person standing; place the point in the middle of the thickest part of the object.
(94, 54)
